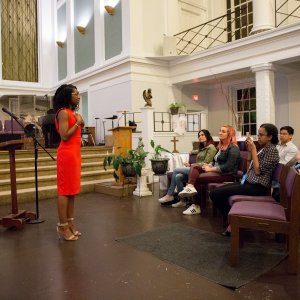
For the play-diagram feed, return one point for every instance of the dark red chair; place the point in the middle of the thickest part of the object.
(271, 217)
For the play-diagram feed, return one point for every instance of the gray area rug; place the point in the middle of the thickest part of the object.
(206, 253)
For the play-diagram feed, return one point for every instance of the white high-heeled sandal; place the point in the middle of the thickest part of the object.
(72, 227)
(62, 233)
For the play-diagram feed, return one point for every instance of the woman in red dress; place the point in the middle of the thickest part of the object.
(68, 124)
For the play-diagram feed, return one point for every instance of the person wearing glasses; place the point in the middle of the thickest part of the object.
(68, 124)
(257, 180)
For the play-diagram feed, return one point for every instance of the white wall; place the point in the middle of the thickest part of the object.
(281, 100)
(216, 8)
(201, 103)
(218, 112)
(104, 101)
(191, 13)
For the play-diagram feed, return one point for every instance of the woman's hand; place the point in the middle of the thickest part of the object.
(207, 168)
(79, 119)
(250, 144)
(186, 164)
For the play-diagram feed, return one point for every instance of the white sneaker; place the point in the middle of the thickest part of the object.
(179, 204)
(188, 192)
(164, 200)
(192, 210)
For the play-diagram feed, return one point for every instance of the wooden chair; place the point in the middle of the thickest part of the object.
(271, 217)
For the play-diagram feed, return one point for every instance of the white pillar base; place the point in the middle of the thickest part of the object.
(141, 186)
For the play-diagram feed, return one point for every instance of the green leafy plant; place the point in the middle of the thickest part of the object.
(158, 149)
(176, 105)
(135, 158)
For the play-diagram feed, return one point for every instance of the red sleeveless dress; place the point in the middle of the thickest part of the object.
(69, 160)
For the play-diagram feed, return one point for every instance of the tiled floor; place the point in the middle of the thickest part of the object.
(34, 264)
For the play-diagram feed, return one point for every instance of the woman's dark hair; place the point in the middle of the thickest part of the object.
(62, 97)
(209, 139)
(271, 131)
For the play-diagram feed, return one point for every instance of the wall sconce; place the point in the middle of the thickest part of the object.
(60, 44)
(110, 10)
(81, 29)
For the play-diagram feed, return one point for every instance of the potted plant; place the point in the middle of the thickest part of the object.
(159, 164)
(174, 107)
(131, 164)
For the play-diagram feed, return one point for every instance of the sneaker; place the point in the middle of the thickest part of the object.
(164, 199)
(192, 210)
(179, 204)
(188, 192)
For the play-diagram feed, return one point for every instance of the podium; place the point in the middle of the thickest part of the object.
(122, 136)
(17, 218)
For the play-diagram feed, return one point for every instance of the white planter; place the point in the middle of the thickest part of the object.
(142, 187)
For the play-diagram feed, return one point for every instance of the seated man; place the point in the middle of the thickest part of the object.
(287, 150)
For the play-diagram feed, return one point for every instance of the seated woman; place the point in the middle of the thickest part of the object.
(205, 154)
(224, 167)
(257, 180)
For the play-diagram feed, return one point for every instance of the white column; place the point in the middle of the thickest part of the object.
(171, 17)
(147, 126)
(265, 93)
(99, 32)
(263, 15)
(147, 135)
(70, 39)
(203, 120)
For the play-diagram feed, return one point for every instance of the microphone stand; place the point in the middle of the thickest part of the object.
(37, 220)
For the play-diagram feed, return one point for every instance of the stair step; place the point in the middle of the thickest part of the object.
(29, 182)
(46, 192)
(92, 172)
(49, 170)
(30, 153)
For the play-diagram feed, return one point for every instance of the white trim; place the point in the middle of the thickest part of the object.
(70, 40)
(193, 4)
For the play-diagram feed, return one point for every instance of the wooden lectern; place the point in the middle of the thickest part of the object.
(17, 218)
(122, 136)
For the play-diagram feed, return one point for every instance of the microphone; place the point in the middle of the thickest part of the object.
(120, 119)
(10, 113)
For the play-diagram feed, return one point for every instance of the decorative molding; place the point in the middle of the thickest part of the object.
(193, 4)
(263, 67)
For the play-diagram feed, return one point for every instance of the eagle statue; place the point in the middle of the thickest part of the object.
(147, 97)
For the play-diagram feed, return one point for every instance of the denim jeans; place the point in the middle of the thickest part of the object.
(179, 177)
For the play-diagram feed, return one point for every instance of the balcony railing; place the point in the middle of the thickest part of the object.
(221, 30)
(286, 11)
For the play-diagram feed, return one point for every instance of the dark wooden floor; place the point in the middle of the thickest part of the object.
(34, 264)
